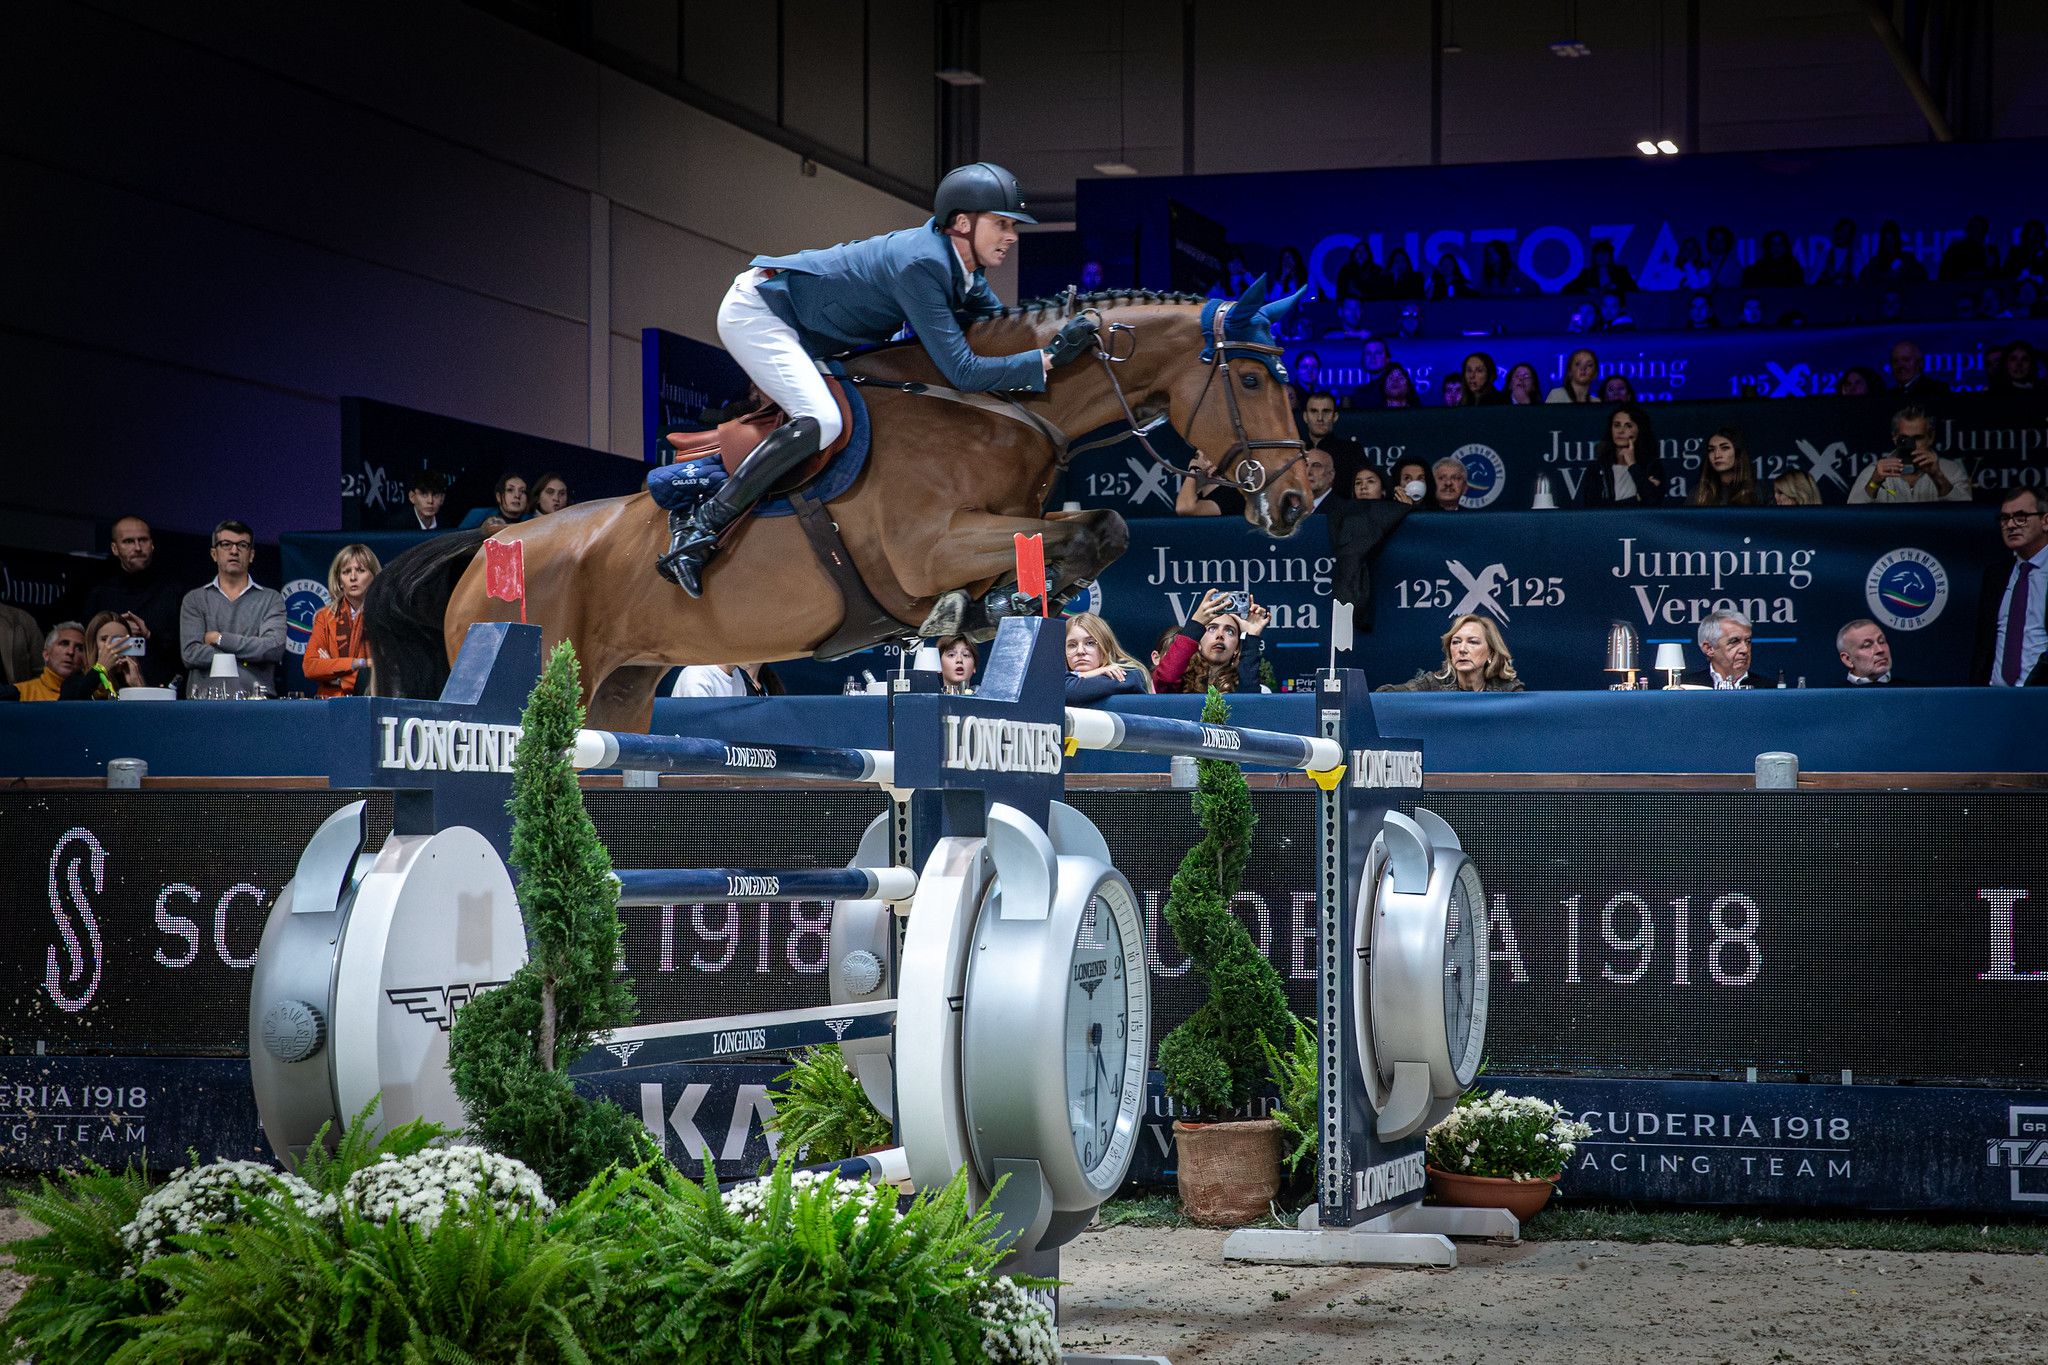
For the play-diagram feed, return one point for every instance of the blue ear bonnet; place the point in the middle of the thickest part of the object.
(1249, 322)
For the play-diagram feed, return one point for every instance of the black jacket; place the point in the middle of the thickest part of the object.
(1988, 597)
(1358, 532)
(1704, 677)
(1651, 486)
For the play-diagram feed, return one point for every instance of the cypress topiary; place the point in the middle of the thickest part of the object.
(511, 1046)
(1215, 1062)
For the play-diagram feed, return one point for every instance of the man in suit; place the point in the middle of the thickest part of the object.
(1867, 655)
(783, 313)
(1724, 639)
(2011, 631)
(422, 503)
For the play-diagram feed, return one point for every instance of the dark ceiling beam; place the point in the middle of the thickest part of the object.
(1880, 17)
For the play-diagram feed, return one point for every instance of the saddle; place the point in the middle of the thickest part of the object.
(736, 438)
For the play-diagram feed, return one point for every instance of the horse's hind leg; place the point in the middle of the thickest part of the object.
(624, 699)
(1078, 546)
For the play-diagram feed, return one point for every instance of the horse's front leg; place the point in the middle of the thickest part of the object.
(1078, 546)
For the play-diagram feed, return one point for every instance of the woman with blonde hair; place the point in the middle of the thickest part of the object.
(1795, 488)
(338, 654)
(1476, 659)
(1097, 666)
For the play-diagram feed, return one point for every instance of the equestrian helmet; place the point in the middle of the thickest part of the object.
(983, 187)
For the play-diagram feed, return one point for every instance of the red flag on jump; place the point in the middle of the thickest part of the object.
(1031, 569)
(505, 572)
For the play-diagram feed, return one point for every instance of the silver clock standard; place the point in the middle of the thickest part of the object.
(1098, 1025)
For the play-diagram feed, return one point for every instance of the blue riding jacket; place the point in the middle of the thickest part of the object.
(862, 293)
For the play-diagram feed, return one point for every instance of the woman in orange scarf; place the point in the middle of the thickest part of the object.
(338, 655)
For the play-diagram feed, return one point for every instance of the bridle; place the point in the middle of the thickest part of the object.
(1252, 476)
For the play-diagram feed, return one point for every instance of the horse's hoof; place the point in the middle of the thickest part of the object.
(946, 615)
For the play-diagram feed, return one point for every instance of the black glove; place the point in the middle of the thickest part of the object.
(1073, 340)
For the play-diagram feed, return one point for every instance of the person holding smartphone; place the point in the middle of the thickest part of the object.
(1218, 646)
(114, 655)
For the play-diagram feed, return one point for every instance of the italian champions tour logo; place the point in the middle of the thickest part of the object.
(303, 597)
(1906, 589)
(1486, 474)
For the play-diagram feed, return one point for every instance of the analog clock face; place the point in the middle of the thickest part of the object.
(1465, 947)
(1101, 1031)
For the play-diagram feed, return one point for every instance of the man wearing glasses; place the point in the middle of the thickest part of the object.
(232, 615)
(2010, 629)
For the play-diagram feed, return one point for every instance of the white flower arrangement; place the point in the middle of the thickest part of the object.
(209, 1196)
(1508, 1137)
(750, 1200)
(418, 1188)
(1023, 1332)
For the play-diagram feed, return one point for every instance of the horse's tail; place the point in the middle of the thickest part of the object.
(405, 612)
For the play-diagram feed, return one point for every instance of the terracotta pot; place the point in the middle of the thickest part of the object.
(1229, 1173)
(1522, 1198)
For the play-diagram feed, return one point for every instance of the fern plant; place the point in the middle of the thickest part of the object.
(81, 1297)
(823, 1114)
(1213, 1062)
(1294, 1074)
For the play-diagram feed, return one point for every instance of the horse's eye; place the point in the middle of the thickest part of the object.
(1250, 379)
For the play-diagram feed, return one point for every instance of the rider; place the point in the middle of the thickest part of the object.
(783, 312)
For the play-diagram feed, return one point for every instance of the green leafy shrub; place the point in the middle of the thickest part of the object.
(511, 1046)
(803, 1268)
(82, 1291)
(822, 1113)
(1507, 1137)
(1213, 1062)
(1294, 1074)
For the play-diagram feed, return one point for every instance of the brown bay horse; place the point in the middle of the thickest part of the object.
(947, 486)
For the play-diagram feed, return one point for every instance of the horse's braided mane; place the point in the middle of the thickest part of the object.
(1106, 298)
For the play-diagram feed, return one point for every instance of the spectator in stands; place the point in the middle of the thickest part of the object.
(718, 680)
(1580, 372)
(1867, 655)
(2019, 371)
(1724, 638)
(1350, 322)
(1237, 277)
(1723, 262)
(1993, 364)
(1291, 274)
(1795, 488)
(1727, 475)
(1584, 318)
(1403, 280)
(63, 660)
(1699, 313)
(1991, 304)
(1447, 279)
(1397, 389)
(2027, 301)
(1482, 382)
(1522, 385)
(1367, 485)
(1914, 471)
(1891, 265)
(21, 645)
(112, 667)
(1627, 469)
(1777, 267)
(143, 598)
(492, 524)
(1752, 314)
(1476, 659)
(1360, 277)
(513, 505)
(1358, 534)
(2011, 628)
(1411, 481)
(1614, 314)
(1448, 481)
(1454, 390)
(1858, 381)
(1971, 256)
(1091, 276)
(1690, 264)
(550, 493)
(232, 615)
(2028, 259)
(957, 662)
(1909, 373)
(1373, 359)
(1499, 277)
(423, 503)
(1837, 265)
(1319, 422)
(337, 658)
(1216, 648)
(1197, 498)
(1617, 388)
(1411, 321)
(1602, 273)
(1321, 467)
(1097, 666)
(1307, 374)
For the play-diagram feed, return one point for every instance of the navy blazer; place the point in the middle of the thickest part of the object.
(862, 293)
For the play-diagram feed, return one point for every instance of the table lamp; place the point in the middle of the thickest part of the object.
(1546, 501)
(1671, 660)
(1624, 653)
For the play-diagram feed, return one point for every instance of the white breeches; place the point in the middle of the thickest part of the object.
(767, 348)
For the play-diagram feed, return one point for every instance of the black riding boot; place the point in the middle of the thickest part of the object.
(693, 538)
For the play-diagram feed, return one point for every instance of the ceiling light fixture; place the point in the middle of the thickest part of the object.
(1667, 146)
(1570, 47)
(960, 75)
(1647, 147)
(1115, 168)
